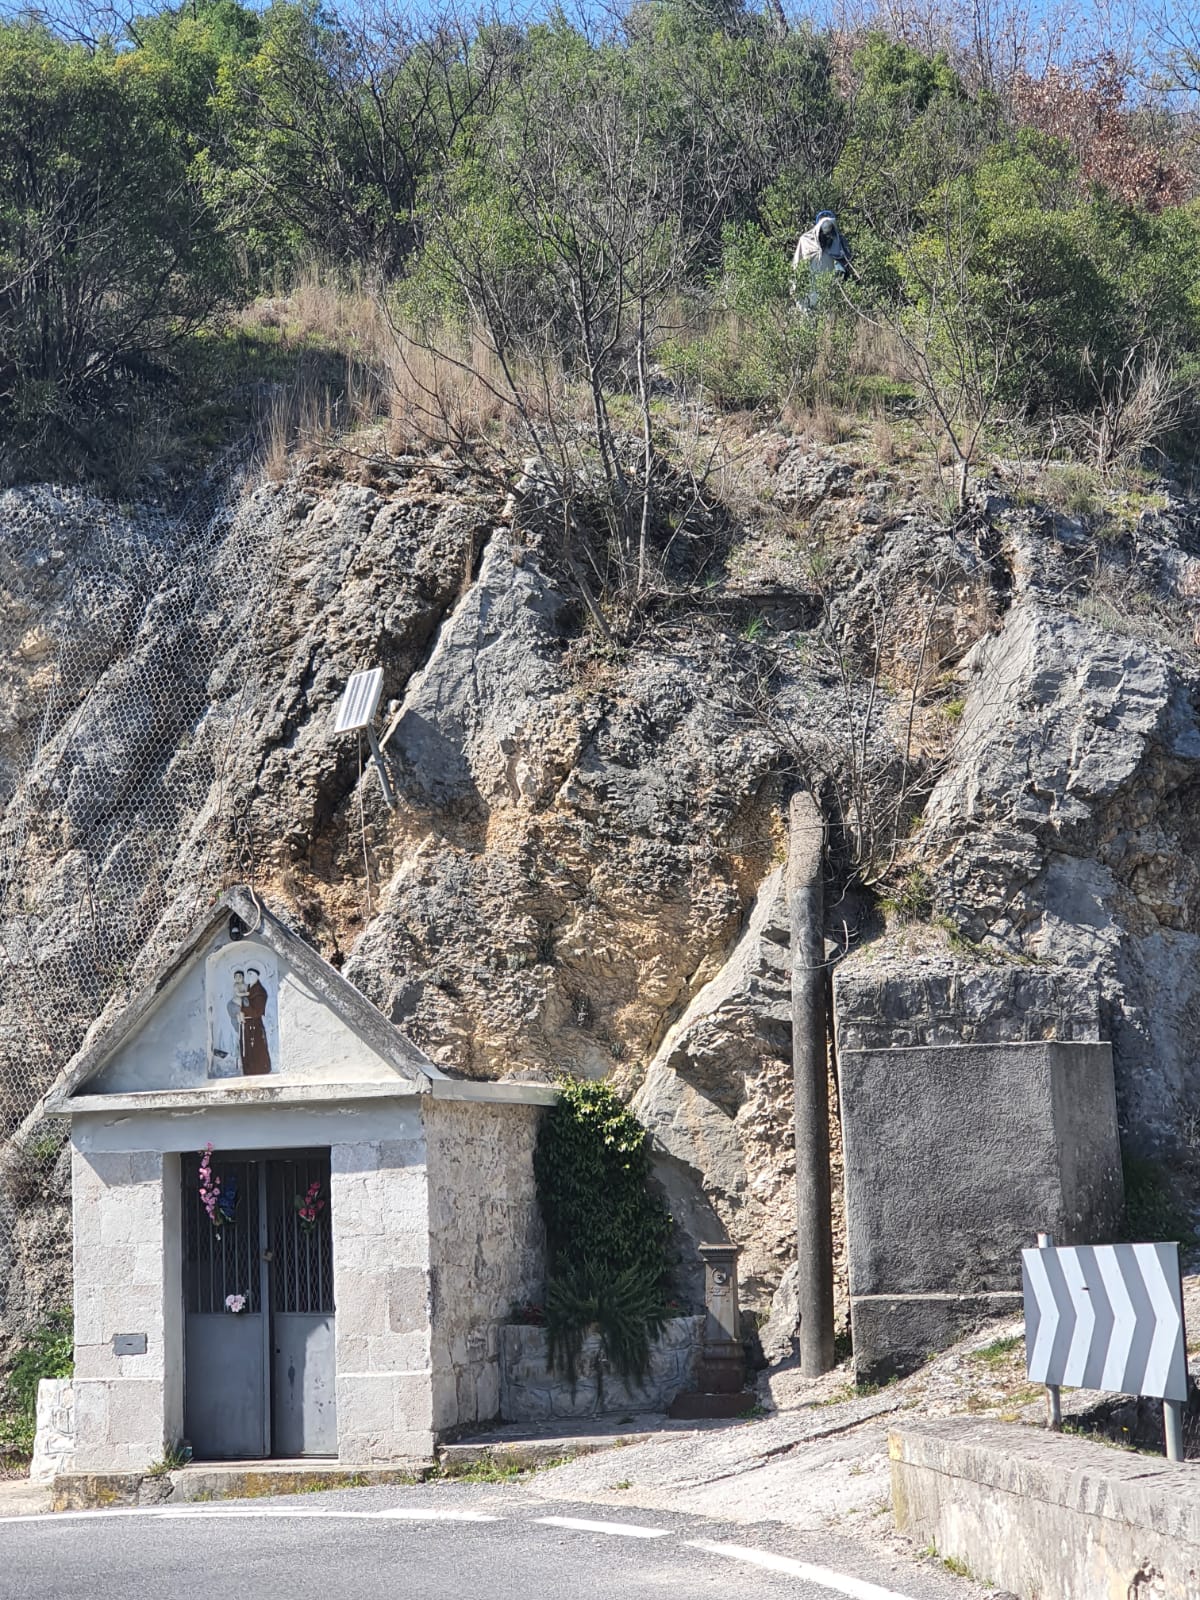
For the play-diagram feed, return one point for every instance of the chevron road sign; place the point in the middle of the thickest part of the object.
(1106, 1316)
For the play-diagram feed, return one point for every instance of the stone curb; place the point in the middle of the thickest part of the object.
(1043, 1514)
(86, 1491)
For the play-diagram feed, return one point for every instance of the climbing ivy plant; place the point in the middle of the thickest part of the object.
(606, 1233)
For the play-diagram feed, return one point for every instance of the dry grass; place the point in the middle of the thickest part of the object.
(877, 352)
(885, 447)
(444, 390)
(319, 309)
(818, 421)
(355, 365)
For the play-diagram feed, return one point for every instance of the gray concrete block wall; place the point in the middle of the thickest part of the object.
(381, 1267)
(486, 1244)
(126, 1264)
(955, 1158)
(532, 1392)
(1086, 1132)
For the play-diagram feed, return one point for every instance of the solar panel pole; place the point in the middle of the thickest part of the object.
(1053, 1397)
(380, 767)
(356, 713)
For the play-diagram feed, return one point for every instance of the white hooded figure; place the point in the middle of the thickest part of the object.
(824, 250)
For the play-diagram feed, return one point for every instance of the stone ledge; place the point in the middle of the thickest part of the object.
(1043, 1514)
(84, 1491)
(894, 1334)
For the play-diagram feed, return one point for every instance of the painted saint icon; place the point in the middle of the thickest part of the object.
(247, 1011)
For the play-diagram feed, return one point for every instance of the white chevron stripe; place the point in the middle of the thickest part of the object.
(1125, 1323)
(1039, 1357)
(1125, 1299)
(1168, 1331)
(1085, 1318)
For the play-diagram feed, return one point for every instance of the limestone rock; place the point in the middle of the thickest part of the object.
(780, 1334)
(1063, 834)
(579, 874)
(717, 1098)
(471, 724)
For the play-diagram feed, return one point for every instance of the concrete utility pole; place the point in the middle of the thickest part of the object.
(810, 1065)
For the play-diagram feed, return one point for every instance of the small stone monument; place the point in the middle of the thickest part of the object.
(719, 1389)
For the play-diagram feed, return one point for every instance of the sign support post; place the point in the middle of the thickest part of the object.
(1053, 1393)
(1173, 1429)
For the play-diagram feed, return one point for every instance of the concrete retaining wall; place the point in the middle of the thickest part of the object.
(531, 1392)
(1048, 1517)
(957, 1157)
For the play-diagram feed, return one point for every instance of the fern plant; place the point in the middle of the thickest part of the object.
(625, 1308)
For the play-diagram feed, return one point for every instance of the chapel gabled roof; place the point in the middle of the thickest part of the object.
(117, 1025)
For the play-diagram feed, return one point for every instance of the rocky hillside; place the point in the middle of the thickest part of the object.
(582, 872)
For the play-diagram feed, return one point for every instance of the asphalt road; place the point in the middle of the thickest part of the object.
(469, 1542)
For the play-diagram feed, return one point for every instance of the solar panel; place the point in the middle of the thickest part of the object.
(359, 702)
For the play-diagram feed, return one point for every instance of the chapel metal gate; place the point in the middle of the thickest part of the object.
(259, 1365)
(302, 1366)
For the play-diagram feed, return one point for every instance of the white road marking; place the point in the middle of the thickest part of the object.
(416, 1514)
(629, 1530)
(824, 1577)
(207, 1513)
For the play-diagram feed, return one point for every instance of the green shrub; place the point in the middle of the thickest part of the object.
(108, 252)
(626, 1308)
(1047, 290)
(606, 1233)
(49, 1353)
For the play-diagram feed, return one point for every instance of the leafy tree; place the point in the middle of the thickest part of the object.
(108, 251)
(1073, 281)
(334, 123)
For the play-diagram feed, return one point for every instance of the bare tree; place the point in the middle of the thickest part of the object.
(593, 226)
(959, 352)
(864, 752)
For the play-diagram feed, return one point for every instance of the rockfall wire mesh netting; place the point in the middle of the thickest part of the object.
(130, 669)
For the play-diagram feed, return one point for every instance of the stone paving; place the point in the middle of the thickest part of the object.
(20, 1498)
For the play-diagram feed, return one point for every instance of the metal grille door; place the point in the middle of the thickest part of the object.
(301, 1247)
(225, 1329)
(302, 1311)
(259, 1365)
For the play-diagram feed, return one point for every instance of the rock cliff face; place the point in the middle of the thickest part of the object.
(582, 871)
(1064, 837)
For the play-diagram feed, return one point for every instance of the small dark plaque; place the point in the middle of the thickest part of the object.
(129, 1344)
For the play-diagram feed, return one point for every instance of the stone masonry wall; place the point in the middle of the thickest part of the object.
(382, 1292)
(486, 1243)
(532, 1392)
(126, 1228)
